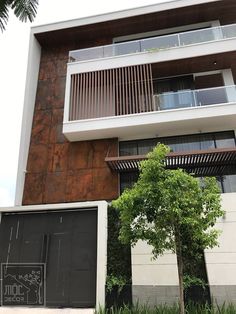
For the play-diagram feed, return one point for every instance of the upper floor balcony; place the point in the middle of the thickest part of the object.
(98, 104)
(155, 43)
(125, 89)
(129, 102)
(155, 49)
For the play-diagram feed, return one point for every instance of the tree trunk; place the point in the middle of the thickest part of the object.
(180, 272)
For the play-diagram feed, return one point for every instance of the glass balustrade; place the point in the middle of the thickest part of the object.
(155, 44)
(228, 31)
(195, 98)
(199, 36)
(88, 107)
(158, 43)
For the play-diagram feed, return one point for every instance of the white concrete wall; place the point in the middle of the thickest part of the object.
(145, 271)
(221, 260)
(28, 112)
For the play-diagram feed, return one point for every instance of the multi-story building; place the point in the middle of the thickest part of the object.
(100, 93)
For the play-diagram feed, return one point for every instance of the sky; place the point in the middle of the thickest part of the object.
(14, 43)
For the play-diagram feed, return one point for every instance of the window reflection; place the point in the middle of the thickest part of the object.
(203, 141)
(180, 143)
(128, 148)
(224, 141)
(200, 141)
(127, 180)
(227, 183)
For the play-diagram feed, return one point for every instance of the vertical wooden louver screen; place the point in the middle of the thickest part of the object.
(111, 92)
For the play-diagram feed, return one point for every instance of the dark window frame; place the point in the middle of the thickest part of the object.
(128, 183)
(159, 139)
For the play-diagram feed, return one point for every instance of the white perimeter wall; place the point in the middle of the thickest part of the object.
(221, 261)
(148, 272)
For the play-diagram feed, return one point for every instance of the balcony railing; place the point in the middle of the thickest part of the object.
(108, 101)
(155, 44)
(195, 98)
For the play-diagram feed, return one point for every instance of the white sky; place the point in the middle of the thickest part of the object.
(13, 59)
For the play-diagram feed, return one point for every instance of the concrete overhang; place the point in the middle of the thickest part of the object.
(112, 24)
(152, 124)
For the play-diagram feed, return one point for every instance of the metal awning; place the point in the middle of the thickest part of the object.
(214, 162)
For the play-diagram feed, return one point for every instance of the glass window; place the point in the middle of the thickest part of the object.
(229, 183)
(173, 84)
(225, 140)
(128, 148)
(203, 141)
(200, 141)
(139, 147)
(127, 180)
(180, 143)
(146, 146)
(207, 141)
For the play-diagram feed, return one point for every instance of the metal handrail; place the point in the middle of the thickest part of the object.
(159, 99)
(139, 42)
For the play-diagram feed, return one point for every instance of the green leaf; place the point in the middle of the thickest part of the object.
(25, 9)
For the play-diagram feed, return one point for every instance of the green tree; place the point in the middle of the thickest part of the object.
(164, 205)
(24, 9)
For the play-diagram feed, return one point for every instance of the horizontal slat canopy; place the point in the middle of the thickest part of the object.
(214, 162)
(125, 163)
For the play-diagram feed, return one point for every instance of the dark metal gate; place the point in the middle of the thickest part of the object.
(66, 241)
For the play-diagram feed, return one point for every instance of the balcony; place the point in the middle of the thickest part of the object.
(104, 106)
(195, 98)
(126, 101)
(155, 44)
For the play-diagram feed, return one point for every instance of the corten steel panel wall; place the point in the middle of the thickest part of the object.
(57, 170)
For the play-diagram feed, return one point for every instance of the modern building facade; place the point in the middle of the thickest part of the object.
(101, 92)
